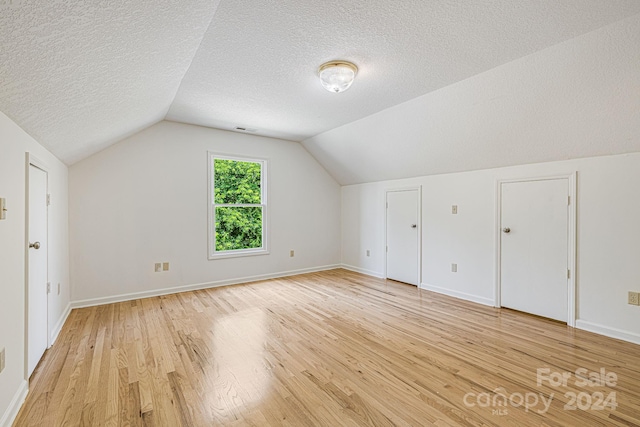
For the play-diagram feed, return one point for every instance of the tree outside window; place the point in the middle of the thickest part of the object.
(238, 207)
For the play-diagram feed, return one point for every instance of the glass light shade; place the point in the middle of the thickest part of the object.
(337, 76)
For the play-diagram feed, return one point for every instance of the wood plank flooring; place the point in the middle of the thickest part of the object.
(326, 349)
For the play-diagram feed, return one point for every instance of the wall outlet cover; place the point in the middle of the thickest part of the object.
(633, 298)
(165, 266)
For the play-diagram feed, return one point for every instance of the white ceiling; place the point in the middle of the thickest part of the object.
(81, 75)
(579, 98)
(78, 76)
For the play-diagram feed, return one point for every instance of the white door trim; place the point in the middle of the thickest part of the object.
(417, 188)
(31, 160)
(571, 239)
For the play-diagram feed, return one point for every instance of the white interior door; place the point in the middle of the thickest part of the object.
(534, 247)
(403, 235)
(37, 304)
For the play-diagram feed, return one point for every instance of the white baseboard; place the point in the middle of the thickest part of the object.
(456, 294)
(185, 288)
(608, 331)
(56, 329)
(362, 270)
(10, 414)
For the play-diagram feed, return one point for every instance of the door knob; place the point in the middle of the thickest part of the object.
(506, 230)
(414, 225)
(35, 245)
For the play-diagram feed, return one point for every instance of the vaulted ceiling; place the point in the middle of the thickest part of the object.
(81, 75)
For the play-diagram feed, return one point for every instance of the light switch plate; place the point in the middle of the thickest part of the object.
(3, 208)
(158, 267)
(454, 209)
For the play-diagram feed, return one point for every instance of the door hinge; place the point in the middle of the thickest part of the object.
(48, 287)
(568, 274)
(568, 200)
(48, 199)
(387, 205)
(387, 248)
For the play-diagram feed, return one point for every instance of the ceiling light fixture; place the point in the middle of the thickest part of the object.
(337, 76)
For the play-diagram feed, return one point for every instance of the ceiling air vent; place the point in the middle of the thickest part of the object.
(243, 129)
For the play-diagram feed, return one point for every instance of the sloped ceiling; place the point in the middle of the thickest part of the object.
(79, 76)
(580, 98)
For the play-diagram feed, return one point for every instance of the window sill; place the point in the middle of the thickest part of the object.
(237, 254)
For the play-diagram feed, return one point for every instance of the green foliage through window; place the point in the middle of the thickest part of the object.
(238, 208)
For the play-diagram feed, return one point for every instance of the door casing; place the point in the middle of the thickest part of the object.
(571, 239)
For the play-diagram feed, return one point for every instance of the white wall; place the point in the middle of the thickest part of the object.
(608, 233)
(144, 200)
(14, 143)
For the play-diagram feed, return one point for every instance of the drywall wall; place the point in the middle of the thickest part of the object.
(14, 143)
(144, 200)
(573, 100)
(607, 234)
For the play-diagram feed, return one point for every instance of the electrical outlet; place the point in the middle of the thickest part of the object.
(454, 268)
(368, 252)
(2, 360)
(158, 267)
(633, 298)
(292, 253)
(454, 209)
(165, 266)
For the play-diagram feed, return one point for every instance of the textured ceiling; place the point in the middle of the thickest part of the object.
(80, 75)
(580, 98)
(257, 63)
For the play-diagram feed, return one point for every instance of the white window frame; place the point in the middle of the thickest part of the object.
(264, 250)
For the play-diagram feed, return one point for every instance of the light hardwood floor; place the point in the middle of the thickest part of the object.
(325, 349)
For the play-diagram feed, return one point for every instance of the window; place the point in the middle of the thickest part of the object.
(238, 207)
